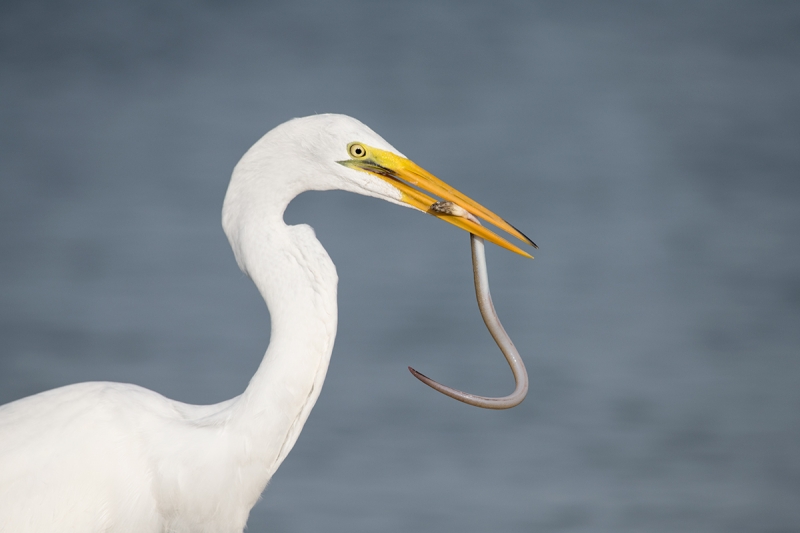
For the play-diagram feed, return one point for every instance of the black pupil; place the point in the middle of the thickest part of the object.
(358, 151)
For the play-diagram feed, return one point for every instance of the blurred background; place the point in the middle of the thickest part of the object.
(652, 150)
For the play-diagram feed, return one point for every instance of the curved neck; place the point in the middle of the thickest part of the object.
(298, 282)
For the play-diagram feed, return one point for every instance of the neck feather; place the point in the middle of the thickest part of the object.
(298, 282)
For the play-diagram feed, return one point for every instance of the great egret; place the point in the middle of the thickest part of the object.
(114, 457)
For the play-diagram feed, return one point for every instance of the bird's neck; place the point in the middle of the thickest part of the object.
(298, 282)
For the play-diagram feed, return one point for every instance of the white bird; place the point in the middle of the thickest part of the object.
(111, 457)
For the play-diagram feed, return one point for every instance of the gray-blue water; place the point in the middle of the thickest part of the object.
(652, 150)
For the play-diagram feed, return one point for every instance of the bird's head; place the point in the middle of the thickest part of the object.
(324, 152)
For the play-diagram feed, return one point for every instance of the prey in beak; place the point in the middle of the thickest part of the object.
(414, 182)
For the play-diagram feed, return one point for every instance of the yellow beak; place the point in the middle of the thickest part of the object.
(403, 173)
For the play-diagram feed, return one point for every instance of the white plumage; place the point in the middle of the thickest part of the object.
(113, 457)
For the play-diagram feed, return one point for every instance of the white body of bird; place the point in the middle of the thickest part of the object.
(110, 457)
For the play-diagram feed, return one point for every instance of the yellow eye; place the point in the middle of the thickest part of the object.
(356, 150)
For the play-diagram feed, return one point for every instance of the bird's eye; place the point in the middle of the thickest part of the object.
(356, 150)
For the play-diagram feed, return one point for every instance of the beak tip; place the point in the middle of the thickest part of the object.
(525, 237)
